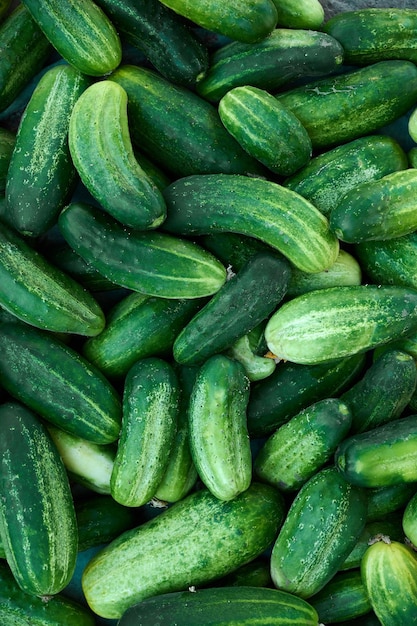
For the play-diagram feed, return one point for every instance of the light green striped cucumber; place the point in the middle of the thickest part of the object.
(307, 14)
(150, 414)
(37, 516)
(41, 175)
(99, 134)
(153, 262)
(81, 32)
(336, 322)
(265, 129)
(204, 204)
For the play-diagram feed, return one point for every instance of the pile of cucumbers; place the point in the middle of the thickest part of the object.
(208, 313)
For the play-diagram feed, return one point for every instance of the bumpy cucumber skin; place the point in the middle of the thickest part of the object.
(7, 143)
(281, 218)
(99, 134)
(212, 538)
(336, 322)
(37, 516)
(391, 261)
(152, 262)
(81, 32)
(41, 174)
(40, 294)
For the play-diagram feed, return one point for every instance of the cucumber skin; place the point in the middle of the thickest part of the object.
(393, 261)
(37, 516)
(41, 174)
(305, 14)
(213, 538)
(343, 598)
(101, 519)
(409, 520)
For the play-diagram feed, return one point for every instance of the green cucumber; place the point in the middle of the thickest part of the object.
(55, 381)
(246, 350)
(244, 301)
(265, 129)
(336, 322)
(329, 175)
(98, 132)
(302, 14)
(321, 527)
(409, 520)
(390, 261)
(234, 606)
(232, 249)
(389, 572)
(81, 33)
(212, 538)
(303, 445)
(412, 155)
(343, 107)
(100, 519)
(344, 597)
(284, 56)
(369, 35)
(387, 526)
(177, 129)
(380, 457)
(387, 501)
(209, 203)
(152, 262)
(248, 21)
(37, 516)
(7, 143)
(218, 435)
(150, 414)
(41, 175)
(412, 126)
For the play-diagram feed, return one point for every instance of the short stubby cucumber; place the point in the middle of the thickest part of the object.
(7, 143)
(307, 14)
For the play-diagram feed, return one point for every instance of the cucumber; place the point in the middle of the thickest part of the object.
(244, 301)
(248, 21)
(234, 606)
(7, 143)
(150, 414)
(37, 516)
(40, 294)
(265, 129)
(56, 382)
(253, 574)
(340, 108)
(99, 133)
(100, 519)
(390, 261)
(212, 538)
(321, 527)
(389, 572)
(232, 249)
(218, 435)
(152, 263)
(369, 35)
(412, 126)
(388, 501)
(302, 14)
(282, 57)
(41, 175)
(336, 322)
(81, 33)
(409, 520)
(328, 176)
(209, 203)
(388, 526)
(246, 350)
(343, 598)
(177, 129)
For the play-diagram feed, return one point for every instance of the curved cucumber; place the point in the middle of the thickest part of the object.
(99, 134)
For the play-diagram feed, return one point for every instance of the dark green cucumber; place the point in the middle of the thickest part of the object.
(57, 383)
(18, 608)
(384, 391)
(293, 387)
(152, 262)
(265, 129)
(389, 572)
(248, 21)
(234, 606)
(332, 323)
(369, 35)
(303, 445)
(177, 129)
(218, 435)
(391, 261)
(344, 107)
(212, 538)
(41, 175)
(344, 597)
(412, 129)
(321, 527)
(42, 295)
(204, 204)
(150, 414)
(380, 457)
(244, 301)
(100, 519)
(167, 42)
(99, 133)
(384, 502)
(23, 51)
(81, 33)
(253, 574)
(37, 517)
(232, 249)
(331, 174)
(391, 528)
(284, 56)
(303, 14)
(7, 143)
(409, 520)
